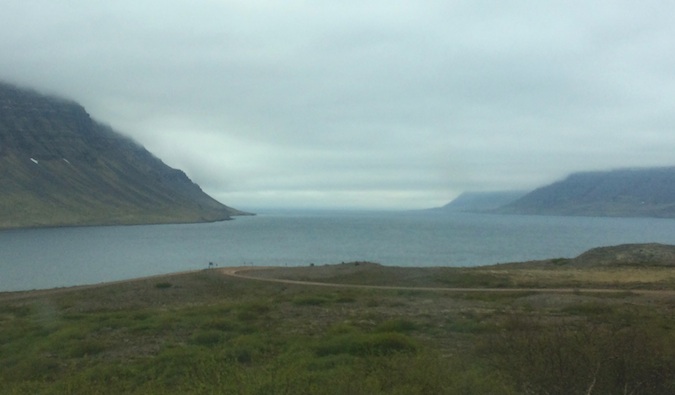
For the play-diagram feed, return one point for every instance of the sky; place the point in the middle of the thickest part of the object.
(367, 104)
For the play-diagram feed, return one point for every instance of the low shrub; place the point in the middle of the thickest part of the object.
(589, 309)
(584, 357)
(207, 337)
(397, 325)
(311, 300)
(223, 324)
(252, 311)
(359, 344)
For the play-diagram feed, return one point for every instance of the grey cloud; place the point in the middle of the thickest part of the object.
(265, 103)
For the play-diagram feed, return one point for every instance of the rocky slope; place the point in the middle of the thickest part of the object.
(619, 193)
(481, 201)
(58, 167)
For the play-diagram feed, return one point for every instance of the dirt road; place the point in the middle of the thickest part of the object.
(239, 272)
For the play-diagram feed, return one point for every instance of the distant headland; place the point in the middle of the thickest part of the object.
(640, 192)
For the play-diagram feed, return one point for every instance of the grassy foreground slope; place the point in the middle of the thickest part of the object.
(211, 333)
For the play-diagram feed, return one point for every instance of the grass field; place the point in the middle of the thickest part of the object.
(210, 333)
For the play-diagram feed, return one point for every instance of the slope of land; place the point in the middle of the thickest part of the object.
(58, 167)
(619, 193)
(482, 201)
(624, 267)
(207, 332)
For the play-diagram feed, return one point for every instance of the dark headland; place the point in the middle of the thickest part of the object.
(59, 167)
(633, 192)
(641, 192)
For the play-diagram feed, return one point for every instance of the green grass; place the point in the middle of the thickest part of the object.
(210, 335)
(471, 278)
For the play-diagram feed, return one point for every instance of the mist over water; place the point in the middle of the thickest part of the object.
(46, 258)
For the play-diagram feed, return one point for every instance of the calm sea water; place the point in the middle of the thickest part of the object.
(46, 258)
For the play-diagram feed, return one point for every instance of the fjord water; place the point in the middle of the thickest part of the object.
(46, 258)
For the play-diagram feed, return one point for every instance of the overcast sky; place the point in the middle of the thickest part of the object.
(361, 104)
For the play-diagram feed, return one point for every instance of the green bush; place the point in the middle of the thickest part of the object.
(311, 300)
(359, 344)
(397, 325)
(223, 324)
(208, 337)
(85, 348)
(249, 348)
(580, 357)
(252, 311)
(589, 309)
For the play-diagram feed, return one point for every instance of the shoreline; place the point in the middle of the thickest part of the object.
(638, 268)
(16, 295)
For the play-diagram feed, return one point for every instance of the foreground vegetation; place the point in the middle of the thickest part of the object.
(208, 333)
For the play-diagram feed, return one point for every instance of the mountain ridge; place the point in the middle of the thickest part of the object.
(59, 167)
(628, 192)
(481, 201)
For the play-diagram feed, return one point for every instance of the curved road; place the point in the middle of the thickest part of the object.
(237, 272)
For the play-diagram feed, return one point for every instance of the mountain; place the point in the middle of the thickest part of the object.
(648, 192)
(58, 167)
(482, 201)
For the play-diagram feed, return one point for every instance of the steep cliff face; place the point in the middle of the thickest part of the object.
(58, 167)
